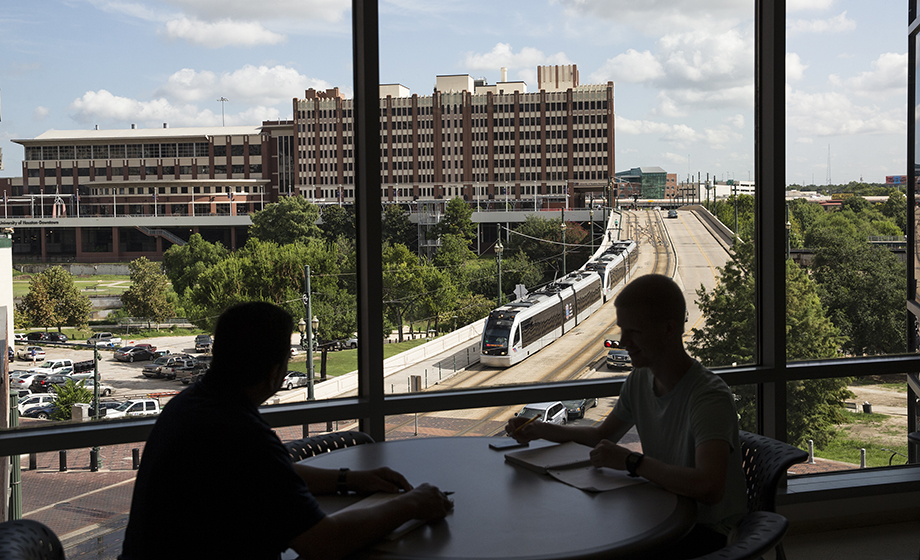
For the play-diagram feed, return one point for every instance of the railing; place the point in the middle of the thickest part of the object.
(175, 239)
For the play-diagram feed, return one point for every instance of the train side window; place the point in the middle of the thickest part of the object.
(517, 336)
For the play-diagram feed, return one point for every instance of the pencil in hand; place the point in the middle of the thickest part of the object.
(516, 430)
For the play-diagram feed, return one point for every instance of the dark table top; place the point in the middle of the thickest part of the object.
(505, 511)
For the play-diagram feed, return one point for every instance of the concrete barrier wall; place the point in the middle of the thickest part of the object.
(723, 234)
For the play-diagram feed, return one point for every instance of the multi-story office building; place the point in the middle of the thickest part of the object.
(115, 195)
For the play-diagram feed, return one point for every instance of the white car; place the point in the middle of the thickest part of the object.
(295, 379)
(20, 337)
(40, 399)
(27, 353)
(550, 412)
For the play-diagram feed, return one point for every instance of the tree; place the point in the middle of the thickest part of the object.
(895, 209)
(290, 220)
(54, 300)
(727, 337)
(338, 222)
(452, 256)
(146, 298)
(538, 238)
(402, 284)
(458, 220)
(183, 264)
(69, 394)
(397, 229)
(862, 287)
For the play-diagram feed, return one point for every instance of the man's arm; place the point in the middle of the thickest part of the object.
(325, 481)
(612, 428)
(346, 531)
(704, 483)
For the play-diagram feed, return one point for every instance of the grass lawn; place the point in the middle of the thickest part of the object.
(103, 284)
(345, 361)
(857, 434)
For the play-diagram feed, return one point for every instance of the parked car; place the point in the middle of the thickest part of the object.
(9, 353)
(43, 412)
(295, 379)
(146, 346)
(105, 390)
(203, 343)
(577, 408)
(104, 407)
(37, 336)
(672, 213)
(48, 383)
(23, 381)
(55, 337)
(103, 339)
(349, 342)
(29, 353)
(135, 407)
(29, 401)
(159, 366)
(19, 337)
(549, 412)
(133, 353)
(39, 384)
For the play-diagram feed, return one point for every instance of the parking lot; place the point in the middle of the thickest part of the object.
(125, 377)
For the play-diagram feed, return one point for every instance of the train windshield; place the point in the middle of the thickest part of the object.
(497, 334)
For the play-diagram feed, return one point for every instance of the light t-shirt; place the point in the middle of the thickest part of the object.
(700, 408)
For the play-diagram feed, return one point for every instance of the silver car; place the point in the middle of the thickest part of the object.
(295, 379)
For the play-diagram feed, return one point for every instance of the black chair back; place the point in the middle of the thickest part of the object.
(24, 539)
(314, 445)
(765, 461)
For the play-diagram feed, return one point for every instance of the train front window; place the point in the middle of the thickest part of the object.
(497, 334)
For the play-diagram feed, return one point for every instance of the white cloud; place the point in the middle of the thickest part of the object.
(664, 131)
(795, 68)
(631, 66)
(220, 34)
(667, 14)
(249, 84)
(836, 24)
(104, 107)
(523, 63)
(40, 113)
(216, 10)
(831, 113)
(888, 76)
(800, 5)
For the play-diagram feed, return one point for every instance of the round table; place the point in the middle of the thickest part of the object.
(509, 512)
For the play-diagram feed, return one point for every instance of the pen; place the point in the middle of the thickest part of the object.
(448, 493)
(516, 430)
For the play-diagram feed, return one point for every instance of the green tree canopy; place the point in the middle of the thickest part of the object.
(146, 297)
(290, 220)
(895, 209)
(397, 229)
(403, 284)
(457, 220)
(727, 337)
(183, 264)
(338, 221)
(862, 287)
(54, 300)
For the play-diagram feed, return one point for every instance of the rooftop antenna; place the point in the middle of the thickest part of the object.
(222, 100)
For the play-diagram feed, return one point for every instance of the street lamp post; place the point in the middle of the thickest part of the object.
(562, 228)
(591, 214)
(499, 248)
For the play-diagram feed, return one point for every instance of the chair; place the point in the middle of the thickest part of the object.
(24, 539)
(764, 461)
(314, 445)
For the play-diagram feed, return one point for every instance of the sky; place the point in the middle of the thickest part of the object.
(682, 70)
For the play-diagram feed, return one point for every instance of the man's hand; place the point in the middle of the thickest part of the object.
(609, 454)
(522, 434)
(383, 479)
(429, 502)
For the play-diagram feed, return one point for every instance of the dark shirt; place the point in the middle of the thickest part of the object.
(215, 482)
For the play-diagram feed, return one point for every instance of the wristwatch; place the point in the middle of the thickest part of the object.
(340, 486)
(633, 460)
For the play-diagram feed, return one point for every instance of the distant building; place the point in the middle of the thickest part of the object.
(115, 195)
(648, 182)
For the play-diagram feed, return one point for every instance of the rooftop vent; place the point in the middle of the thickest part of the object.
(133, 126)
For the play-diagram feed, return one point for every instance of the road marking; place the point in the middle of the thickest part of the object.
(90, 493)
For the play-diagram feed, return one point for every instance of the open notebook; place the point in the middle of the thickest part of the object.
(570, 463)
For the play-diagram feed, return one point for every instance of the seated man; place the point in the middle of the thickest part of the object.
(684, 414)
(216, 482)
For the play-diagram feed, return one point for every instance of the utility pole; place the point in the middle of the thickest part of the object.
(222, 100)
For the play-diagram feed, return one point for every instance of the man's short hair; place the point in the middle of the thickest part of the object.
(657, 294)
(249, 339)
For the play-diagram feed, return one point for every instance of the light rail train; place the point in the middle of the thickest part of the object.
(520, 328)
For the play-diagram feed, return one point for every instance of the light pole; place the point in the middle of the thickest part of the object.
(499, 248)
(788, 231)
(222, 100)
(562, 228)
(591, 213)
